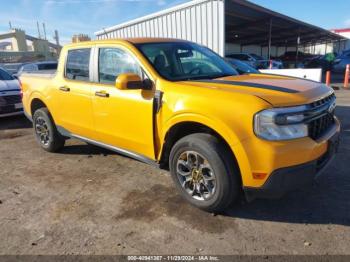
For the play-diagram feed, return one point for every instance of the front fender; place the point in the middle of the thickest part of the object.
(223, 130)
(216, 125)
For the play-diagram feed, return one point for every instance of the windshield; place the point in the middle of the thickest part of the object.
(241, 67)
(176, 61)
(5, 76)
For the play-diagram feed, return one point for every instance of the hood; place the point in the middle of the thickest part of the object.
(275, 89)
(9, 85)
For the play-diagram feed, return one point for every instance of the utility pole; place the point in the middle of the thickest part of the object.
(56, 37)
(37, 25)
(10, 25)
(44, 28)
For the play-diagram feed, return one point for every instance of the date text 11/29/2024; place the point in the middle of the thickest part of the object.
(173, 258)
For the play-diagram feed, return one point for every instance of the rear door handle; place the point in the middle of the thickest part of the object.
(101, 94)
(64, 88)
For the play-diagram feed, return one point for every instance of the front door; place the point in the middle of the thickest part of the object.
(123, 118)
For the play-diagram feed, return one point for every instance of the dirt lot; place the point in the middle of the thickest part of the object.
(88, 201)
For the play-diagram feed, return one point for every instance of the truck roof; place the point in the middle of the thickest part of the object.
(130, 40)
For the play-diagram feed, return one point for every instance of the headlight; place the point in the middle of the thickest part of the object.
(281, 123)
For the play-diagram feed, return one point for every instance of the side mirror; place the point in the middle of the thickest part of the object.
(132, 81)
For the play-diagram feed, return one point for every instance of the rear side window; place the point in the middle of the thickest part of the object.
(29, 68)
(78, 62)
(52, 66)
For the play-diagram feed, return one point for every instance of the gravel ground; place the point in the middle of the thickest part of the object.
(85, 200)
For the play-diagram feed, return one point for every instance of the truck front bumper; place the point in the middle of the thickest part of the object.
(284, 180)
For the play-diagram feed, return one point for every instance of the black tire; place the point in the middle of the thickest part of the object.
(53, 141)
(221, 162)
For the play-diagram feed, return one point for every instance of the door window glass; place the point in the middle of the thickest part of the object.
(78, 63)
(30, 67)
(50, 66)
(5, 76)
(113, 62)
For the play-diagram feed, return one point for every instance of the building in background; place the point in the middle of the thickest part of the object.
(80, 38)
(17, 46)
(345, 32)
(230, 26)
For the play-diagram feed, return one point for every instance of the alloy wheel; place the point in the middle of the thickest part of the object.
(42, 131)
(196, 175)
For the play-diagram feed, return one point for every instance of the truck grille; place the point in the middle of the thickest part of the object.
(319, 126)
(322, 101)
(9, 109)
(10, 100)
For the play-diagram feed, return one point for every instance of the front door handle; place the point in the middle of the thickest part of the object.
(64, 88)
(101, 94)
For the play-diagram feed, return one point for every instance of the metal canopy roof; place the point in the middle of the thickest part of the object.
(249, 24)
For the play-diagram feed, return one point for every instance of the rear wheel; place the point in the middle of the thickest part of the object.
(46, 132)
(204, 172)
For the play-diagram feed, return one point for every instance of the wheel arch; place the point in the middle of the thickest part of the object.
(35, 104)
(181, 128)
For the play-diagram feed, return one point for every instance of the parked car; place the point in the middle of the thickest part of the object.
(38, 66)
(219, 133)
(241, 67)
(340, 62)
(268, 64)
(293, 55)
(11, 68)
(325, 62)
(10, 95)
(246, 58)
(294, 59)
(346, 52)
(256, 61)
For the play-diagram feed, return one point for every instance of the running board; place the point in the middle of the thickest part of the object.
(121, 151)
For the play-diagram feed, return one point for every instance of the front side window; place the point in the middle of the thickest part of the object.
(113, 62)
(176, 61)
(78, 63)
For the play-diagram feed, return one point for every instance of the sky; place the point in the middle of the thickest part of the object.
(71, 17)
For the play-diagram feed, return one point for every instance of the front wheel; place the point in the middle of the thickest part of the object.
(45, 131)
(204, 172)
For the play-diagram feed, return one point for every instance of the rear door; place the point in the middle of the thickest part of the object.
(123, 118)
(73, 94)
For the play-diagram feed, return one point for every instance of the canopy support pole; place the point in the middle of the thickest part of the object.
(269, 45)
(297, 53)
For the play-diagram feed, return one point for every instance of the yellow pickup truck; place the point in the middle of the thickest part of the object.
(182, 107)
